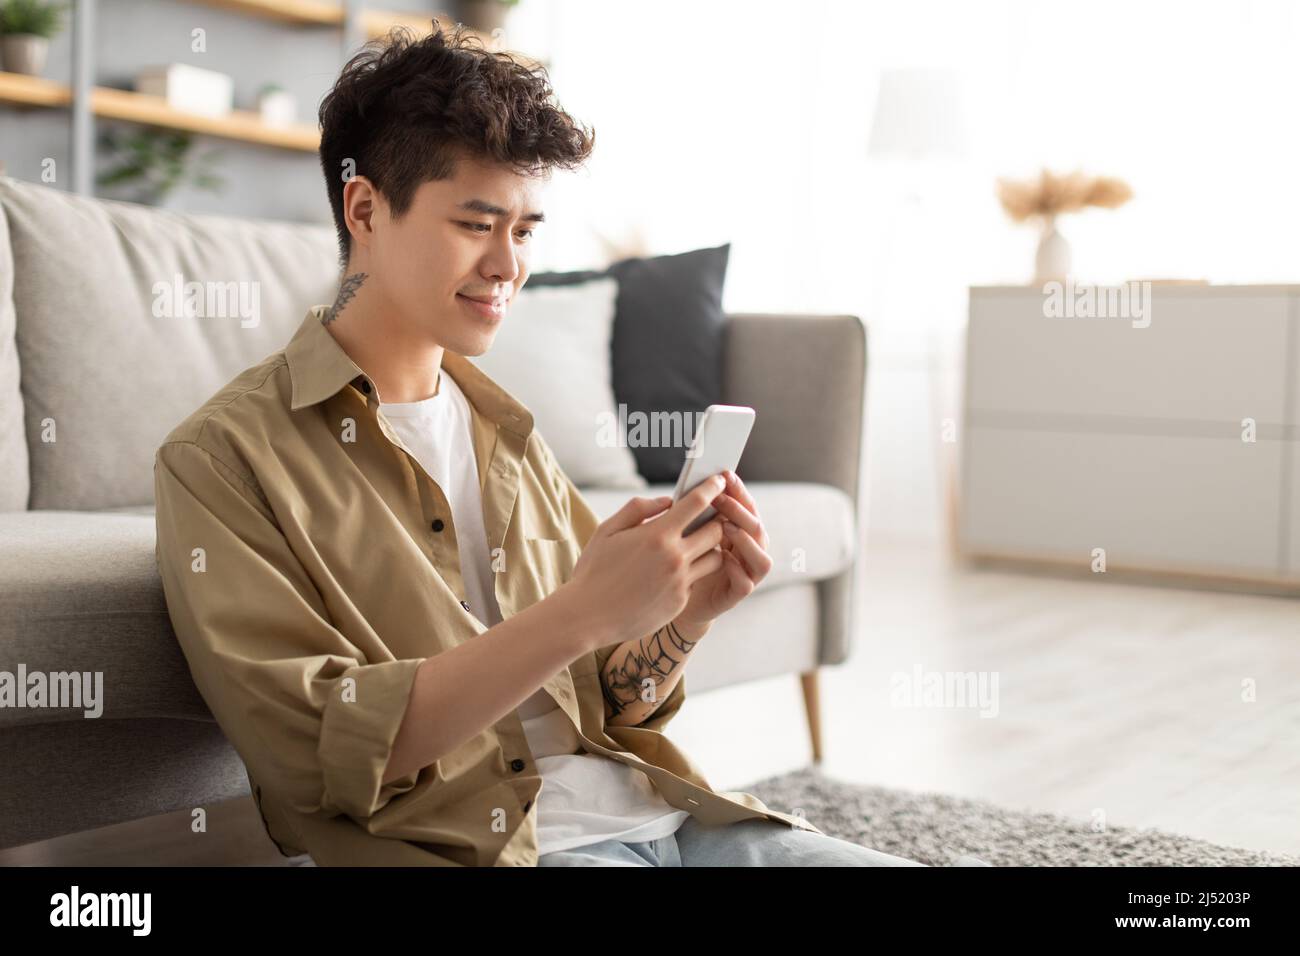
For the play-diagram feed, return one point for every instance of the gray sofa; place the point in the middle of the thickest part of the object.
(90, 382)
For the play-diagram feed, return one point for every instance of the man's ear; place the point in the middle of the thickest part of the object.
(360, 204)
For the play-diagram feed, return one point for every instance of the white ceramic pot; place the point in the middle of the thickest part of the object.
(278, 108)
(1053, 258)
(24, 53)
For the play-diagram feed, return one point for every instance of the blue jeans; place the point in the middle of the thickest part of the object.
(753, 842)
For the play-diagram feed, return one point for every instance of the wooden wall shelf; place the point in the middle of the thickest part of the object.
(319, 12)
(375, 23)
(241, 125)
(109, 103)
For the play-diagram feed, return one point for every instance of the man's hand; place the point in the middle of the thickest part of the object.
(637, 569)
(745, 559)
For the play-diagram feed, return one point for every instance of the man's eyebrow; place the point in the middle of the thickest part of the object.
(491, 209)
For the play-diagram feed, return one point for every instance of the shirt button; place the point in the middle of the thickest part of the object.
(464, 605)
(516, 764)
(437, 524)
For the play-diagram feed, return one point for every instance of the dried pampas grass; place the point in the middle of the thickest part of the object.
(1052, 194)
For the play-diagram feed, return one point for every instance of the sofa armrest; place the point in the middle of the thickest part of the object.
(806, 377)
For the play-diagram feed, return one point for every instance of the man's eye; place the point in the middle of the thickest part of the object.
(481, 228)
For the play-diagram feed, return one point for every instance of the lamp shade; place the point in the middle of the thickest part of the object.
(918, 115)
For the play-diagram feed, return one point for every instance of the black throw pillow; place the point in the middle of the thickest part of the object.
(666, 352)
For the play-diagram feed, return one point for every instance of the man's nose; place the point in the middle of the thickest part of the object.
(502, 262)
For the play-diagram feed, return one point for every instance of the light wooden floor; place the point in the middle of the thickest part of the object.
(1112, 697)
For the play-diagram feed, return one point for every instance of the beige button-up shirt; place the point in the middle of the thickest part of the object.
(310, 565)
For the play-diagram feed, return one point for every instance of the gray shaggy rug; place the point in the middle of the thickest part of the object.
(934, 829)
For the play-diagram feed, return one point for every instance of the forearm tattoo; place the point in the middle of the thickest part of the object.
(347, 290)
(651, 658)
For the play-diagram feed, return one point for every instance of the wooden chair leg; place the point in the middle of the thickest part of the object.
(812, 705)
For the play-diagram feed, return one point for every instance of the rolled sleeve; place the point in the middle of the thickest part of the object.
(357, 736)
(312, 718)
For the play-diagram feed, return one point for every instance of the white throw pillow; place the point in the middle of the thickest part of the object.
(552, 353)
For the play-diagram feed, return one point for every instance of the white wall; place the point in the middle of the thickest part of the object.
(732, 120)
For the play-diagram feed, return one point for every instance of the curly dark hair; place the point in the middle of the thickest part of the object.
(404, 109)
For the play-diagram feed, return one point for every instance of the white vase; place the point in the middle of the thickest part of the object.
(1053, 258)
(278, 108)
(24, 53)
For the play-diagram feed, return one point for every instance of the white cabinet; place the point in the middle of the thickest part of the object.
(1209, 354)
(1091, 432)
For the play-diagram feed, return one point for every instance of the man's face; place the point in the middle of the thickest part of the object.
(454, 262)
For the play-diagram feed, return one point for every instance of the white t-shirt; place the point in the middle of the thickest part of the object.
(585, 798)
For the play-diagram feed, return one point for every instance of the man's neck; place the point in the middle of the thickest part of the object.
(404, 367)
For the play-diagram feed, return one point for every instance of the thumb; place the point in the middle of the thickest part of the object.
(636, 511)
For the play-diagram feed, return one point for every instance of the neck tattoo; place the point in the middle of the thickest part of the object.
(347, 290)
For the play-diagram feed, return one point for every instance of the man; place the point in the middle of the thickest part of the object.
(421, 641)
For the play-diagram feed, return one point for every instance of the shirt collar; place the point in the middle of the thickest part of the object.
(319, 368)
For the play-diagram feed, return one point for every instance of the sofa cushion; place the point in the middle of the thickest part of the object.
(82, 593)
(810, 527)
(552, 353)
(107, 349)
(14, 479)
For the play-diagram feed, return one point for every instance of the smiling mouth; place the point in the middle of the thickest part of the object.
(493, 309)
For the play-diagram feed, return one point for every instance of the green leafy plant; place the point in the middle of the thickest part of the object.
(155, 162)
(31, 16)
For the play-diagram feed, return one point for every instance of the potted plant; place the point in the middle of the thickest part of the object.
(152, 162)
(1049, 196)
(485, 15)
(25, 30)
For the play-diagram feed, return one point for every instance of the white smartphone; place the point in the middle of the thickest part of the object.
(717, 446)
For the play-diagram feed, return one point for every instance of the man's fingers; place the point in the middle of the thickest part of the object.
(756, 560)
(704, 538)
(737, 513)
(736, 488)
(705, 565)
(693, 503)
(740, 577)
(636, 511)
(665, 502)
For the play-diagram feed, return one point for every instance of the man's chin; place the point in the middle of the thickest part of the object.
(475, 344)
